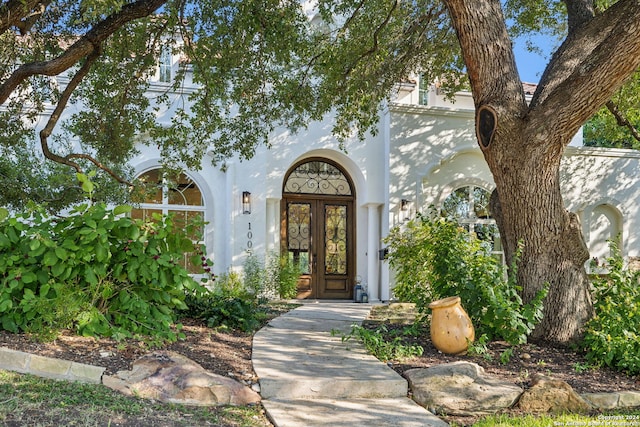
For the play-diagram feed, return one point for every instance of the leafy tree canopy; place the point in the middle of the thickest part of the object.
(258, 64)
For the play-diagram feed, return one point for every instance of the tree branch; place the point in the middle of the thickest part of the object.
(579, 12)
(14, 11)
(57, 113)
(592, 63)
(487, 52)
(376, 34)
(82, 48)
(623, 121)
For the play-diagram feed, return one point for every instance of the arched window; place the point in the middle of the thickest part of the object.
(606, 226)
(469, 206)
(317, 177)
(179, 196)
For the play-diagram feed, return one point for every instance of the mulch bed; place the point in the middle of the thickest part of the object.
(229, 353)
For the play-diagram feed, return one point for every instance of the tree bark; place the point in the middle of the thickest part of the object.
(528, 209)
(82, 48)
(523, 144)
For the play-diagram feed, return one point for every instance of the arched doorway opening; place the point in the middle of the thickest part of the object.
(318, 228)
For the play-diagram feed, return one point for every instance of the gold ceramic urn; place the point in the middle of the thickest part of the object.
(451, 326)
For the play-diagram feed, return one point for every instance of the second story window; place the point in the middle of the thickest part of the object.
(164, 65)
(423, 90)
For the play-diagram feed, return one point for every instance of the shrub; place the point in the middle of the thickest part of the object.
(95, 270)
(233, 301)
(254, 274)
(435, 258)
(281, 277)
(612, 337)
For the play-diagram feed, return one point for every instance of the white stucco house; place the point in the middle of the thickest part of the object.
(329, 208)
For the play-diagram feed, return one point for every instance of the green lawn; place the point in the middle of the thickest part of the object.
(617, 419)
(27, 400)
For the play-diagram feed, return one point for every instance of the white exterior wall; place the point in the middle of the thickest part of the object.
(602, 181)
(421, 154)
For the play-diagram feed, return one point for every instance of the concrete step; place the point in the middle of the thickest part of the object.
(399, 412)
(319, 365)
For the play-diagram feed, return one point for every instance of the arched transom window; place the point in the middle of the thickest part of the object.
(317, 177)
(469, 206)
(179, 196)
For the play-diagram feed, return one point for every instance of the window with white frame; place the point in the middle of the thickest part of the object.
(469, 207)
(165, 64)
(179, 196)
(423, 90)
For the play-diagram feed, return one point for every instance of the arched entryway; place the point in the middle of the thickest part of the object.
(318, 228)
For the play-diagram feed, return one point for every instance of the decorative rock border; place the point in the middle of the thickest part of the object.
(464, 388)
(616, 400)
(176, 379)
(48, 367)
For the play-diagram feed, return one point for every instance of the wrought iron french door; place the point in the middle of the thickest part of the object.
(318, 235)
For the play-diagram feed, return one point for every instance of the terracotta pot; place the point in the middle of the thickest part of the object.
(450, 326)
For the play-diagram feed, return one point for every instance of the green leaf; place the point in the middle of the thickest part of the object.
(58, 269)
(29, 277)
(34, 244)
(50, 258)
(102, 253)
(5, 305)
(61, 253)
(44, 290)
(4, 241)
(122, 209)
(28, 294)
(12, 235)
(90, 276)
(43, 277)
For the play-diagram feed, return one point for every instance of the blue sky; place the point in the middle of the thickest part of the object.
(532, 64)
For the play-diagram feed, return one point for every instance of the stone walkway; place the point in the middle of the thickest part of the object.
(310, 377)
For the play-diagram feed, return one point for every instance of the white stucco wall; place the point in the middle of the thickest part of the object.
(420, 154)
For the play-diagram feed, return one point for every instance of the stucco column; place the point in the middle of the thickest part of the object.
(373, 244)
(272, 241)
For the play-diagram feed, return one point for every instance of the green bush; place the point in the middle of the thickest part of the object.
(95, 270)
(281, 277)
(436, 258)
(612, 337)
(233, 302)
(253, 274)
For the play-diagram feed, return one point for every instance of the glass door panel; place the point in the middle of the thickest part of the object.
(335, 239)
(299, 235)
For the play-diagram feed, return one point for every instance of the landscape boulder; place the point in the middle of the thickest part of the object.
(173, 378)
(460, 388)
(550, 395)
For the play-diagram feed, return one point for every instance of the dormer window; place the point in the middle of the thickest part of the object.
(165, 64)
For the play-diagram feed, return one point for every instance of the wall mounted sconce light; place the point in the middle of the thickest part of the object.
(405, 211)
(246, 202)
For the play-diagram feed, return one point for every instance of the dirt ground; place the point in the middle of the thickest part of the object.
(229, 353)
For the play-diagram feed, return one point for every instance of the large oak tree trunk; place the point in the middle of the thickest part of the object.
(523, 140)
(528, 208)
